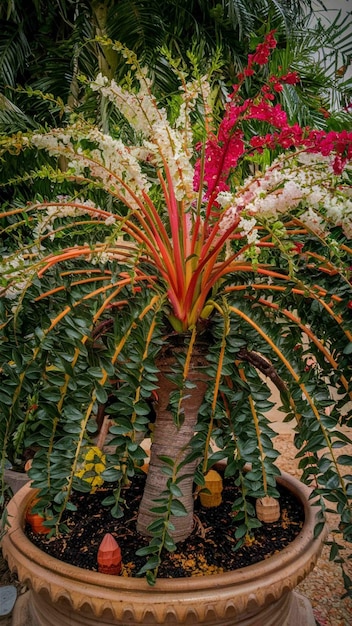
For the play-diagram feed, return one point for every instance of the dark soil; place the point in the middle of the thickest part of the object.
(208, 550)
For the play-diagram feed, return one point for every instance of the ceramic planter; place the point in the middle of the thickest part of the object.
(65, 595)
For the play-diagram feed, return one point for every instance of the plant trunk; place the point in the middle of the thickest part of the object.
(174, 442)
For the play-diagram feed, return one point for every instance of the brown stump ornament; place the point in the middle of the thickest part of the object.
(267, 509)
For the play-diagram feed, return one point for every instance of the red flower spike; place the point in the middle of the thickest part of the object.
(109, 556)
(298, 247)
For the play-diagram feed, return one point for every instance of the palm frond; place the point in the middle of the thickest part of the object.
(12, 118)
(138, 24)
(14, 53)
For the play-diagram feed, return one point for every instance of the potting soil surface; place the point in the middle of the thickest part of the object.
(210, 549)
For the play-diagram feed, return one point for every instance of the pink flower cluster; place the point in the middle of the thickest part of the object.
(339, 143)
(224, 150)
(261, 55)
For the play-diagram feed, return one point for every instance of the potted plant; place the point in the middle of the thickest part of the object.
(177, 263)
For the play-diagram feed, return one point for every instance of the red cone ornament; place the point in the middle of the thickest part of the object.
(109, 556)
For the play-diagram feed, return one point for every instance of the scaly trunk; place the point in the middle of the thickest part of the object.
(173, 442)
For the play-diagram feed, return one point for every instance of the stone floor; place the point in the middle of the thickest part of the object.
(324, 586)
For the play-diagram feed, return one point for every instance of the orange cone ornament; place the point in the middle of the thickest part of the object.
(109, 556)
(36, 521)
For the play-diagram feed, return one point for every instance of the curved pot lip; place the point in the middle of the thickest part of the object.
(303, 549)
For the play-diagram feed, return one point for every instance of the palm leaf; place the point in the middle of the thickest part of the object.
(14, 52)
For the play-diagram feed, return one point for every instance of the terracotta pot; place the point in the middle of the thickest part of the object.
(258, 595)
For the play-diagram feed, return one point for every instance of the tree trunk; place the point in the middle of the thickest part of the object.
(173, 442)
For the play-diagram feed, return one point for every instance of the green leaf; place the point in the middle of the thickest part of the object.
(175, 490)
(117, 511)
(159, 509)
(345, 459)
(101, 394)
(132, 446)
(53, 394)
(73, 333)
(55, 379)
(81, 485)
(219, 455)
(141, 409)
(232, 468)
(254, 523)
(72, 413)
(178, 509)
(241, 531)
(111, 474)
(318, 528)
(70, 506)
(95, 372)
(136, 453)
(168, 471)
(108, 501)
(169, 544)
(150, 578)
(166, 459)
(5, 398)
(333, 482)
(156, 526)
(334, 551)
(73, 428)
(151, 564)
(193, 456)
(121, 426)
(146, 550)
